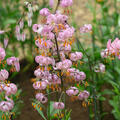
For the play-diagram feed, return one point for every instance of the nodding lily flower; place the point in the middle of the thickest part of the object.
(14, 61)
(65, 64)
(41, 85)
(4, 74)
(114, 47)
(2, 54)
(72, 91)
(83, 95)
(10, 89)
(40, 97)
(76, 56)
(6, 106)
(37, 28)
(58, 105)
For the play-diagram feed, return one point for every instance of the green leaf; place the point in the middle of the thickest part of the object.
(9, 21)
(40, 112)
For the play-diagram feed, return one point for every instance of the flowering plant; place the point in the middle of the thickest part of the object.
(56, 72)
(9, 92)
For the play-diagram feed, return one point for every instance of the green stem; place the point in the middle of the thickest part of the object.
(49, 117)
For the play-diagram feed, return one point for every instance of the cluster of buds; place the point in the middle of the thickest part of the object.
(56, 59)
(20, 36)
(112, 50)
(7, 88)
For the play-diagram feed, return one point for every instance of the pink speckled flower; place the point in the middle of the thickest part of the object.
(45, 61)
(58, 105)
(37, 28)
(2, 54)
(44, 44)
(44, 12)
(4, 74)
(65, 64)
(80, 76)
(72, 91)
(41, 85)
(10, 89)
(86, 94)
(76, 56)
(40, 97)
(14, 61)
(83, 95)
(86, 28)
(6, 106)
(66, 34)
(66, 3)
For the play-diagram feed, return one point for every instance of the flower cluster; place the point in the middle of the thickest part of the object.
(7, 88)
(56, 59)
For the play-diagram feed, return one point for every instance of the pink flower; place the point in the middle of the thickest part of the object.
(14, 61)
(10, 89)
(66, 3)
(114, 47)
(4, 74)
(54, 79)
(83, 95)
(6, 42)
(104, 53)
(45, 61)
(2, 54)
(65, 64)
(86, 28)
(65, 34)
(86, 94)
(80, 76)
(40, 97)
(51, 3)
(100, 68)
(2, 31)
(76, 56)
(41, 85)
(44, 12)
(42, 44)
(37, 28)
(72, 91)
(6, 106)
(58, 105)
